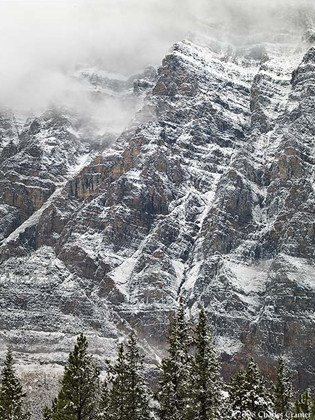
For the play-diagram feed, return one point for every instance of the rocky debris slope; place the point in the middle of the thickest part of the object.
(209, 193)
(34, 160)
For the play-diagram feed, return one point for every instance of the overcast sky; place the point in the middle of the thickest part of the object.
(42, 41)
(125, 33)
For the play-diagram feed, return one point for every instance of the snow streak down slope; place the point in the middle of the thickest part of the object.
(209, 193)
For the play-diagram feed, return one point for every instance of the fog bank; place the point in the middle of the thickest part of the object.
(43, 42)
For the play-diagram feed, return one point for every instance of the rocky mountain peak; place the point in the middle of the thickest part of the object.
(209, 193)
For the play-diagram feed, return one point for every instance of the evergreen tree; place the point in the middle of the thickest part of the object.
(303, 405)
(207, 386)
(175, 390)
(137, 392)
(167, 395)
(129, 394)
(283, 392)
(249, 397)
(11, 393)
(259, 399)
(78, 397)
(238, 402)
(118, 393)
(104, 401)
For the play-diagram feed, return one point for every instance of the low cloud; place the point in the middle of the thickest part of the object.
(43, 42)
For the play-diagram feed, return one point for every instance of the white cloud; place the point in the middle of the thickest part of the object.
(42, 41)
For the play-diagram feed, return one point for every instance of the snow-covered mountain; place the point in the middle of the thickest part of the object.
(209, 193)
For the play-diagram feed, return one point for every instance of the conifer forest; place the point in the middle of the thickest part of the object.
(189, 385)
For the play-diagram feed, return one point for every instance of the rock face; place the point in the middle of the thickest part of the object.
(209, 193)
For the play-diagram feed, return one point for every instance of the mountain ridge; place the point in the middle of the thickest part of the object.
(209, 194)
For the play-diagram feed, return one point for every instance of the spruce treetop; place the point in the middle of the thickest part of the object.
(283, 391)
(78, 396)
(11, 392)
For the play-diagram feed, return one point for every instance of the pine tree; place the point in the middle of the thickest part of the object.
(207, 386)
(175, 384)
(259, 399)
(249, 397)
(118, 393)
(78, 397)
(303, 405)
(104, 401)
(129, 396)
(11, 393)
(137, 392)
(238, 402)
(283, 392)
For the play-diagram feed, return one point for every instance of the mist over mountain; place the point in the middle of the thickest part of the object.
(43, 43)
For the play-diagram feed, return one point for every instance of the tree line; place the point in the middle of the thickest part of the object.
(190, 385)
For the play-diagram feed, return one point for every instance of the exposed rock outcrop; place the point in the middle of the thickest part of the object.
(209, 193)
